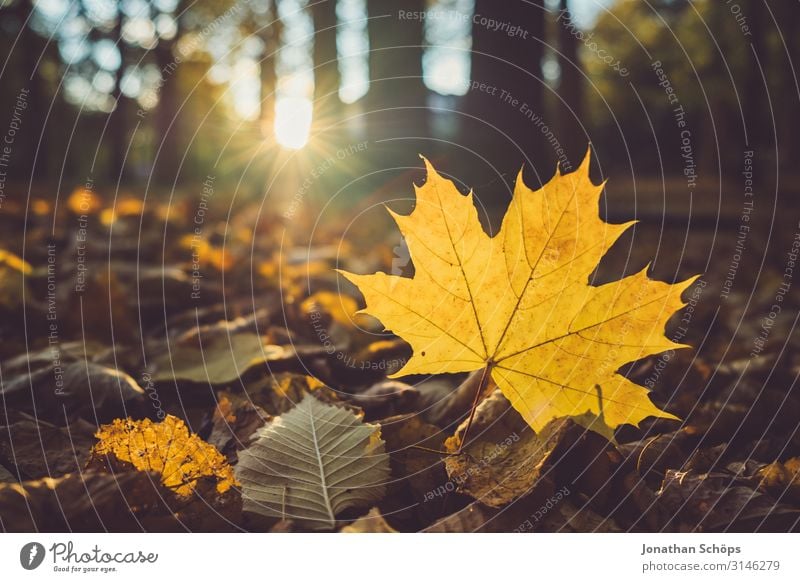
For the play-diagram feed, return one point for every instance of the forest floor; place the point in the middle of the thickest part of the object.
(226, 318)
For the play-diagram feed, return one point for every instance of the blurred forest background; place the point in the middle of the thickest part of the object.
(313, 113)
(163, 93)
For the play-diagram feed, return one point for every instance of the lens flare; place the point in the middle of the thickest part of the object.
(292, 122)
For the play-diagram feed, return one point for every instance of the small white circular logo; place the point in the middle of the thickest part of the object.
(31, 555)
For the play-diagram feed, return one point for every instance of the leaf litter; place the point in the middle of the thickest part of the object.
(193, 398)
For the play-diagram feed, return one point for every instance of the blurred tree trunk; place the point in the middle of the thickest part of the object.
(31, 157)
(118, 122)
(397, 96)
(507, 88)
(326, 67)
(571, 117)
(168, 153)
(168, 147)
(786, 100)
(719, 116)
(270, 33)
(755, 93)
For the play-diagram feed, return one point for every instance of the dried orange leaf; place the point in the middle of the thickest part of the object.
(167, 448)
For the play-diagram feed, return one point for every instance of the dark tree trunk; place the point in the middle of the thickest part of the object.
(571, 132)
(755, 94)
(269, 32)
(326, 66)
(30, 160)
(118, 122)
(397, 95)
(168, 152)
(786, 100)
(507, 88)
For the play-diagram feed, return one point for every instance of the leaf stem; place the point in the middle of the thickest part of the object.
(478, 391)
(475, 400)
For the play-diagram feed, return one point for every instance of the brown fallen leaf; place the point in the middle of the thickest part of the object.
(6, 476)
(387, 398)
(416, 493)
(782, 480)
(722, 502)
(69, 352)
(280, 392)
(234, 422)
(90, 501)
(373, 362)
(477, 517)
(568, 517)
(635, 506)
(101, 310)
(40, 449)
(76, 390)
(504, 460)
(654, 455)
(94, 501)
(703, 460)
(222, 360)
(746, 470)
(443, 404)
(167, 289)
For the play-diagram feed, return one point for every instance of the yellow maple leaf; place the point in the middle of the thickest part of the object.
(167, 448)
(520, 304)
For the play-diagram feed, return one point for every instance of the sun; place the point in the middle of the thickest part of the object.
(293, 122)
